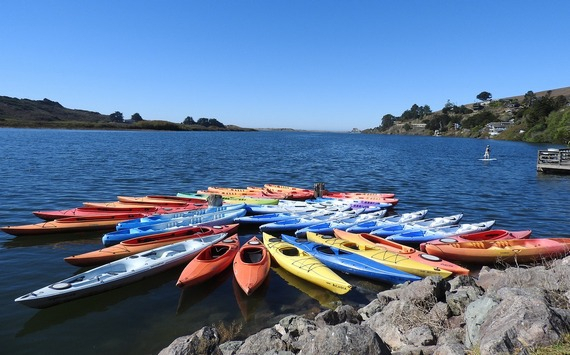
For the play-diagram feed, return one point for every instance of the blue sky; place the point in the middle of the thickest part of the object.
(309, 64)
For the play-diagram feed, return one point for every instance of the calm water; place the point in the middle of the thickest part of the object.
(57, 169)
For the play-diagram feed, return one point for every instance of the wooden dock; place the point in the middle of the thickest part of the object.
(554, 161)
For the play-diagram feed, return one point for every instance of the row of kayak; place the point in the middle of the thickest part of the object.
(316, 258)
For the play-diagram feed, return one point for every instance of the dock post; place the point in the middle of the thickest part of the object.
(215, 200)
(319, 188)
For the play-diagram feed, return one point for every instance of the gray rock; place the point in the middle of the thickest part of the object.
(345, 338)
(520, 321)
(266, 340)
(347, 313)
(203, 341)
(420, 336)
(372, 308)
(451, 343)
(230, 347)
(475, 315)
(328, 317)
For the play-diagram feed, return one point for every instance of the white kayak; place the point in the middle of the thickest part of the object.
(427, 223)
(368, 226)
(426, 235)
(341, 223)
(118, 273)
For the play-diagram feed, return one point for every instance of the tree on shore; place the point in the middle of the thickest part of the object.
(484, 96)
(135, 117)
(188, 121)
(387, 122)
(116, 117)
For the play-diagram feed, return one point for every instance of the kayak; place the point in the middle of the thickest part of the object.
(304, 265)
(71, 224)
(297, 192)
(248, 200)
(144, 243)
(161, 200)
(230, 191)
(351, 263)
(493, 234)
(338, 194)
(354, 203)
(106, 211)
(381, 255)
(148, 220)
(504, 250)
(343, 224)
(210, 262)
(251, 265)
(425, 235)
(435, 222)
(265, 218)
(297, 223)
(402, 250)
(291, 193)
(118, 273)
(119, 204)
(368, 226)
(211, 219)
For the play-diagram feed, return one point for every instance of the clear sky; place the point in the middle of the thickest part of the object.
(303, 64)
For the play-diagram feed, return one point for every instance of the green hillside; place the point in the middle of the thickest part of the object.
(532, 117)
(25, 113)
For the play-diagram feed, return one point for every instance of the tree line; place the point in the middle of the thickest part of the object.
(136, 117)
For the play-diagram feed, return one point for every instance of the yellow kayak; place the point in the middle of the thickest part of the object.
(303, 265)
(381, 255)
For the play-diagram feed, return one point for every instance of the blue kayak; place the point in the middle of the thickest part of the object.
(368, 226)
(426, 235)
(342, 224)
(160, 218)
(351, 263)
(294, 224)
(418, 225)
(211, 219)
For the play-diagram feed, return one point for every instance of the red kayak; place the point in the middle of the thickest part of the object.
(110, 211)
(72, 224)
(144, 243)
(209, 262)
(251, 265)
(493, 234)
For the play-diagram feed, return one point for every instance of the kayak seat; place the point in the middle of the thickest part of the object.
(252, 257)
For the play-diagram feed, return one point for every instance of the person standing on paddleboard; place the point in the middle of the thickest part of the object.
(487, 154)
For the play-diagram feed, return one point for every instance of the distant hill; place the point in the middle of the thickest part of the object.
(25, 113)
(537, 117)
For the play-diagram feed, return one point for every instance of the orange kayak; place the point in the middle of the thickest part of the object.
(72, 224)
(357, 195)
(251, 265)
(209, 262)
(493, 234)
(504, 250)
(403, 250)
(144, 243)
(250, 191)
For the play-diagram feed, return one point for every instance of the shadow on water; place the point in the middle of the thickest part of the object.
(62, 313)
(190, 296)
(55, 238)
(248, 305)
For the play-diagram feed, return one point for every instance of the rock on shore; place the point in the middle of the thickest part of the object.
(501, 312)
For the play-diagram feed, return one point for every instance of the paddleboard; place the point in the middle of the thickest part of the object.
(490, 159)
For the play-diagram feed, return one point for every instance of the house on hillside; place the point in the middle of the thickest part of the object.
(498, 127)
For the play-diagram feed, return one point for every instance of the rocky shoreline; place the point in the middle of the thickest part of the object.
(511, 311)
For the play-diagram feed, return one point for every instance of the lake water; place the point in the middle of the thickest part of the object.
(58, 169)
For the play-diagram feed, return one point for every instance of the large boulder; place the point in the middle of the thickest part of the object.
(203, 341)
